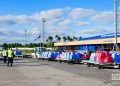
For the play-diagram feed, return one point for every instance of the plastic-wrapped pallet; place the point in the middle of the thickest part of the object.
(63, 56)
(68, 56)
(49, 54)
(108, 59)
(52, 55)
(42, 54)
(75, 56)
(45, 54)
(116, 57)
(78, 56)
(71, 55)
(92, 57)
(56, 54)
(100, 56)
(59, 56)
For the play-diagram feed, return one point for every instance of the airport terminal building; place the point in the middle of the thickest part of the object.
(92, 43)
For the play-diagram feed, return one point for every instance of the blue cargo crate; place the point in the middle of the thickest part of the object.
(76, 56)
(53, 55)
(116, 57)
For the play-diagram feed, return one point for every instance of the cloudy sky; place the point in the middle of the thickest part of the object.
(63, 17)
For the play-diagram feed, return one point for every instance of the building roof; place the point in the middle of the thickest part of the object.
(88, 42)
(101, 39)
(111, 35)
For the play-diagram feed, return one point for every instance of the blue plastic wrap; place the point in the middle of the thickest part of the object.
(116, 57)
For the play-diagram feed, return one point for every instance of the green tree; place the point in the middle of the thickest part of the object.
(56, 36)
(50, 38)
(71, 39)
(75, 38)
(5, 45)
(68, 38)
(59, 38)
(80, 38)
(64, 38)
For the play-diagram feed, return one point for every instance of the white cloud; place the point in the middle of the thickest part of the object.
(80, 23)
(49, 15)
(9, 19)
(78, 13)
(103, 17)
(35, 31)
(15, 19)
(93, 32)
(65, 22)
(58, 21)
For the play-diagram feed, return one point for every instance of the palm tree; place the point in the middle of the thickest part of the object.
(68, 38)
(59, 38)
(56, 36)
(75, 38)
(50, 38)
(80, 38)
(71, 39)
(64, 38)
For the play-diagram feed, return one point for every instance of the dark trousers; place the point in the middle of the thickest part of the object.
(5, 59)
(10, 61)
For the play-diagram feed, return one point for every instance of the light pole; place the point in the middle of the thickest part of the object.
(25, 38)
(115, 22)
(43, 21)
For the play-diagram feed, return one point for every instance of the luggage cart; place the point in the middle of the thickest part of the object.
(99, 65)
(69, 58)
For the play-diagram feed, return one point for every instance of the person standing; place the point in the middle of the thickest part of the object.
(5, 55)
(10, 57)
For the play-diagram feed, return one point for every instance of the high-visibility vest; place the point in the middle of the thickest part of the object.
(5, 53)
(10, 54)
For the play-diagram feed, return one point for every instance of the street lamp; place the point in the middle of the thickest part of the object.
(115, 22)
(43, 21)
(25, 38)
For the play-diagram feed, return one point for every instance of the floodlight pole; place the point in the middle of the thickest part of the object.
(43, 21)
(25, 38)
(115, 22)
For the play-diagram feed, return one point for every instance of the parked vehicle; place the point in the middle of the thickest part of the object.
(37, 51)
(18, 53)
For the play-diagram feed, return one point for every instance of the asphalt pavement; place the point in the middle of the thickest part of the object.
(31, 72)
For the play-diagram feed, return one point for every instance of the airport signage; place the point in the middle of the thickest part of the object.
(108, 41)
